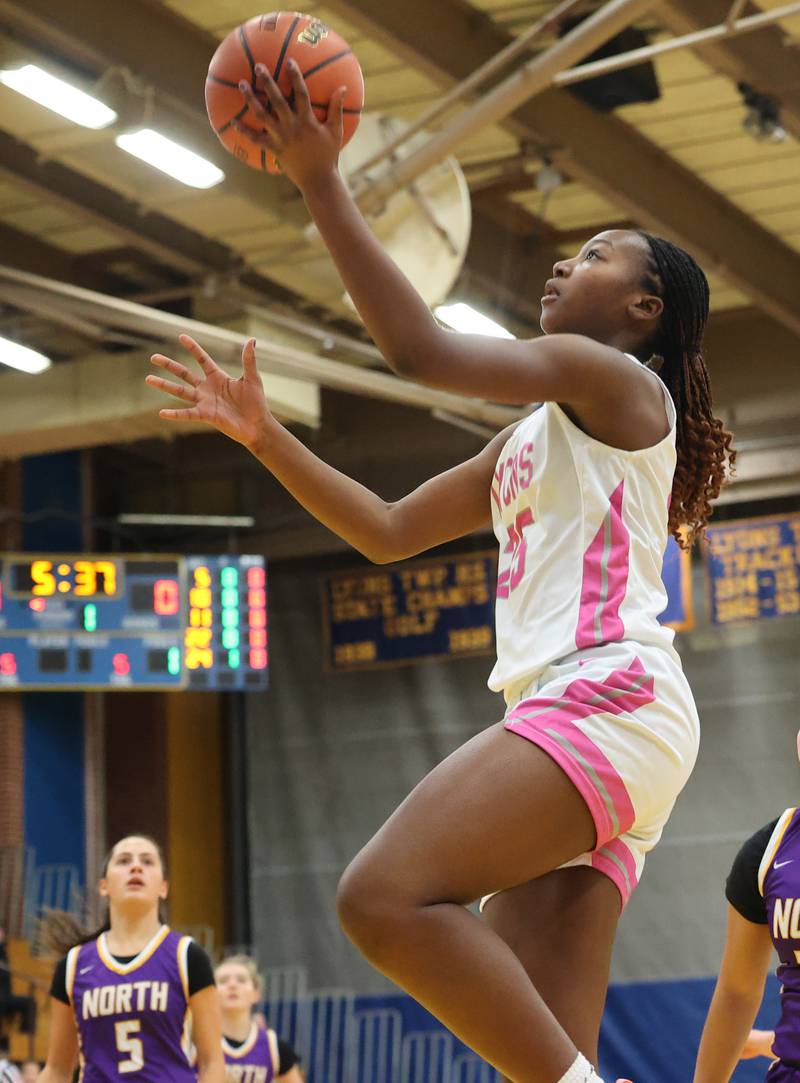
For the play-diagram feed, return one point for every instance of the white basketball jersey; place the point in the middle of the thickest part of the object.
(582, 529)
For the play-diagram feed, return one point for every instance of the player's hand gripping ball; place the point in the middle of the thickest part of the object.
(324, 58)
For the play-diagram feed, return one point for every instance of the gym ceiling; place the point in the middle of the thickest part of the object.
(74, 208)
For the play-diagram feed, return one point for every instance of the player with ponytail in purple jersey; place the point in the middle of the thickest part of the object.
(253, 1053)
(123, 1000)
(550, 812)
(763, 894)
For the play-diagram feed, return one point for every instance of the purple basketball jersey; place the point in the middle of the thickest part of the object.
(131, 1016)
(779, 883)
(256, 1061)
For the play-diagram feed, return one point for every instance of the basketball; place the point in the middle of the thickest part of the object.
(323, 56)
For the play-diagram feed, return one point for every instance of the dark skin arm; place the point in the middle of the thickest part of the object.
(609, 397)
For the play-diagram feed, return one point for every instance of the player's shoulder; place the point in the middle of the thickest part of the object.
(587, 368)
(744, 886)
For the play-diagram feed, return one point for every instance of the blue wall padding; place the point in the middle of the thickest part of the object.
(51, 503)
(55, 818)
(650, 1033)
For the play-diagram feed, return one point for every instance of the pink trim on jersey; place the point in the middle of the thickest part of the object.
(616, 862)
(550, 723)
(605, 579)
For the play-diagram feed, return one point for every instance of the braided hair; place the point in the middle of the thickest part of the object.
(705, 455)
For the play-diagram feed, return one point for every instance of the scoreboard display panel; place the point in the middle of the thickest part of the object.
(128, 621)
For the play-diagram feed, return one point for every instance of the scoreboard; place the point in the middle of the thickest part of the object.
(128, 621)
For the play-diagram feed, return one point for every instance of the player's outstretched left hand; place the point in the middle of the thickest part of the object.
(307, 149)
(237, 408)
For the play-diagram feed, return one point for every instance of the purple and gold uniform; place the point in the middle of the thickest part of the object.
(132, 1017)
(779, 884)
(257, 1061)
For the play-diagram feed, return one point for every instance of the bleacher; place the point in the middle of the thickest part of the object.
(26, 889)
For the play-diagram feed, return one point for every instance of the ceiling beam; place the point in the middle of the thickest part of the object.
(166, 240)
(30, 253)
(146, 37)
(768, 59)
(600, 150)
(510, 270)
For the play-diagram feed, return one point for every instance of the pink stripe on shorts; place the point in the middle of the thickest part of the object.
(550, 723)
(620, 721)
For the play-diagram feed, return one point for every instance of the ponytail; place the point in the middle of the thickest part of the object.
(705, 457)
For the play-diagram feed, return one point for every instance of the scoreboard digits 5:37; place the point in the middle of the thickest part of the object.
(128, 621)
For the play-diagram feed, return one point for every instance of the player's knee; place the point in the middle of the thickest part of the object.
(367, 906)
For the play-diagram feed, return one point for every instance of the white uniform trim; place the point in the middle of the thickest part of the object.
(183, 964)
(272, 1038)
(72, 963)
(772, 846)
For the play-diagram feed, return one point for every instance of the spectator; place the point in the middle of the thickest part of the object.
(8, 1072)
(23, 1007)
(30, 1071)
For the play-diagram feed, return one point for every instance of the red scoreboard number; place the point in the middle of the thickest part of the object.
(257, 617)
(166, 597)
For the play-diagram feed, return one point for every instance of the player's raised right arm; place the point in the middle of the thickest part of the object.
(446, 507)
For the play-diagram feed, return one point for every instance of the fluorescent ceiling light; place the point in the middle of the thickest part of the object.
(63, 98)
(462, 317)
(171, 158)
(22, 358)
(133, 518)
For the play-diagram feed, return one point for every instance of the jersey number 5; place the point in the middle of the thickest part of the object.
(129, 1045)
(510, 576)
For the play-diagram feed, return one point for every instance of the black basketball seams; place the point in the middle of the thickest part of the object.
(233, 120)
(264, 159)
(349, 112)
(249, 55)
(324, 63)
(210, 78)
(285, 46)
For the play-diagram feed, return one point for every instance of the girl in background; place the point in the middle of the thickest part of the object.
(763, 893)
(122, 998)
(253, 1053)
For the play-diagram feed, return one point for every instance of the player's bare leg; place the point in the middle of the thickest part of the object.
(561, 927)
(496, 813)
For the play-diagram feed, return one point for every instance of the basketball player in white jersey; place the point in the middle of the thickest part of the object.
(553, 809)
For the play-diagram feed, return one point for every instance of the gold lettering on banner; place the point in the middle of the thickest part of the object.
(470, 639)
(759, 576)
(412, 603)
(313, 34)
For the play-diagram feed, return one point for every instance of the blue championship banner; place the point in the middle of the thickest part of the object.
(441, 609)
(425, 609)
(676, 574)
(754, 569)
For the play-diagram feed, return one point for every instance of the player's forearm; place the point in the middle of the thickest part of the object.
(54, 1075)
(213, 1071)
(343, 505)
(395, 315)
(730, 1017)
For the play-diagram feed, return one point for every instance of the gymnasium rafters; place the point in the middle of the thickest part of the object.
(73, 207)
